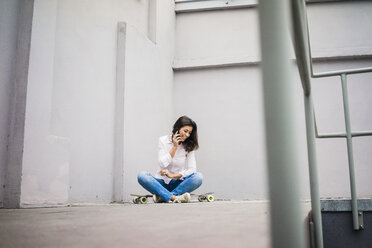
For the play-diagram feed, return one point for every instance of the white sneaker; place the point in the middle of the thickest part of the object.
(157, 199)
(184, 198)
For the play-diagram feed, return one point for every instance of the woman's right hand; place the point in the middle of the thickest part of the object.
(176, 139)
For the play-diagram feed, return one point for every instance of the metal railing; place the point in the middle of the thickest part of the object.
(304, 61)
(303, 56)
(357, 225)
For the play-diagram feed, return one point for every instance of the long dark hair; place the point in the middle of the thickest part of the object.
(191, 143)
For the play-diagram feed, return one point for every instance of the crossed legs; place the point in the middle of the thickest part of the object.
(175, 187)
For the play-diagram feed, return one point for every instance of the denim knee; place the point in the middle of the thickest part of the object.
(198, 177)
(142, 177)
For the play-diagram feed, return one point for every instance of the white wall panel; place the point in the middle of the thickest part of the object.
(227, 105)
(217, 35)
(69, 141)
(337, 29)
(147, 108)
(229, 98)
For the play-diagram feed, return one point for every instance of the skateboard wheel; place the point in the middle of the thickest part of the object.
(135, 200)
(200, 198)
(210, 198)
(143, 200)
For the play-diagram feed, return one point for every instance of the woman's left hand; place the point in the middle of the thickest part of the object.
(165, 172)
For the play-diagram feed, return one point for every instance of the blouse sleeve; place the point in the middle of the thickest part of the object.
(190, 165)
(164, 158)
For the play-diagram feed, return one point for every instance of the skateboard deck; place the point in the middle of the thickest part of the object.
(140, 199)
(204, 197)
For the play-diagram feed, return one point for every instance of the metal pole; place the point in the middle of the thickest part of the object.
(287, 230)
(313, 171)
(354, 204)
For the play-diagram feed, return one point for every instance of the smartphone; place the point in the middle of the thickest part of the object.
(175, 130)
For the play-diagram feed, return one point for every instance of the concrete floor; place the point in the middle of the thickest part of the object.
(217, 224)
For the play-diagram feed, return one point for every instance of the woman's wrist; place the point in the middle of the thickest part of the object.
(173, 150)
(174, 176)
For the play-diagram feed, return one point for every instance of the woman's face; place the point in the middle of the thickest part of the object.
(185, 132)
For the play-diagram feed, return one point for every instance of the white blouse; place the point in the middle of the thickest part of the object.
(183, 162)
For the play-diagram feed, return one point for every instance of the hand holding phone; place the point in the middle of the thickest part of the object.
(177, 139)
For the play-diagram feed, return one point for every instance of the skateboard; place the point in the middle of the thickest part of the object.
(205, 197)
(140, 199)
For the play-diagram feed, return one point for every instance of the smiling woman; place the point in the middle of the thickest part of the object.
(177, 175)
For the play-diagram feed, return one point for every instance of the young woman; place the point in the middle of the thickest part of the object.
(177, 175)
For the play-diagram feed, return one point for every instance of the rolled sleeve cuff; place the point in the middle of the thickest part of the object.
(165, 160)
(187, 173)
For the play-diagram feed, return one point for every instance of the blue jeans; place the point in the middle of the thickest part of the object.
(175, 187)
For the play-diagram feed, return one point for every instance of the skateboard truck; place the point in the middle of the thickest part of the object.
(140, 199)
(205, 197)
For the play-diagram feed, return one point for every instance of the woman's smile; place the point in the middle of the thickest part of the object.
(185, 132)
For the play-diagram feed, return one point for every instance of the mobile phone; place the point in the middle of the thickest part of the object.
(175, 130)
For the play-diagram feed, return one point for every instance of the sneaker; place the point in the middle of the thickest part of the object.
(157, 199)
(184, 198)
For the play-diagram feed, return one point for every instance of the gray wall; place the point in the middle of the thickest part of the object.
(227, 101)
(70, 115)
(8, 42)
